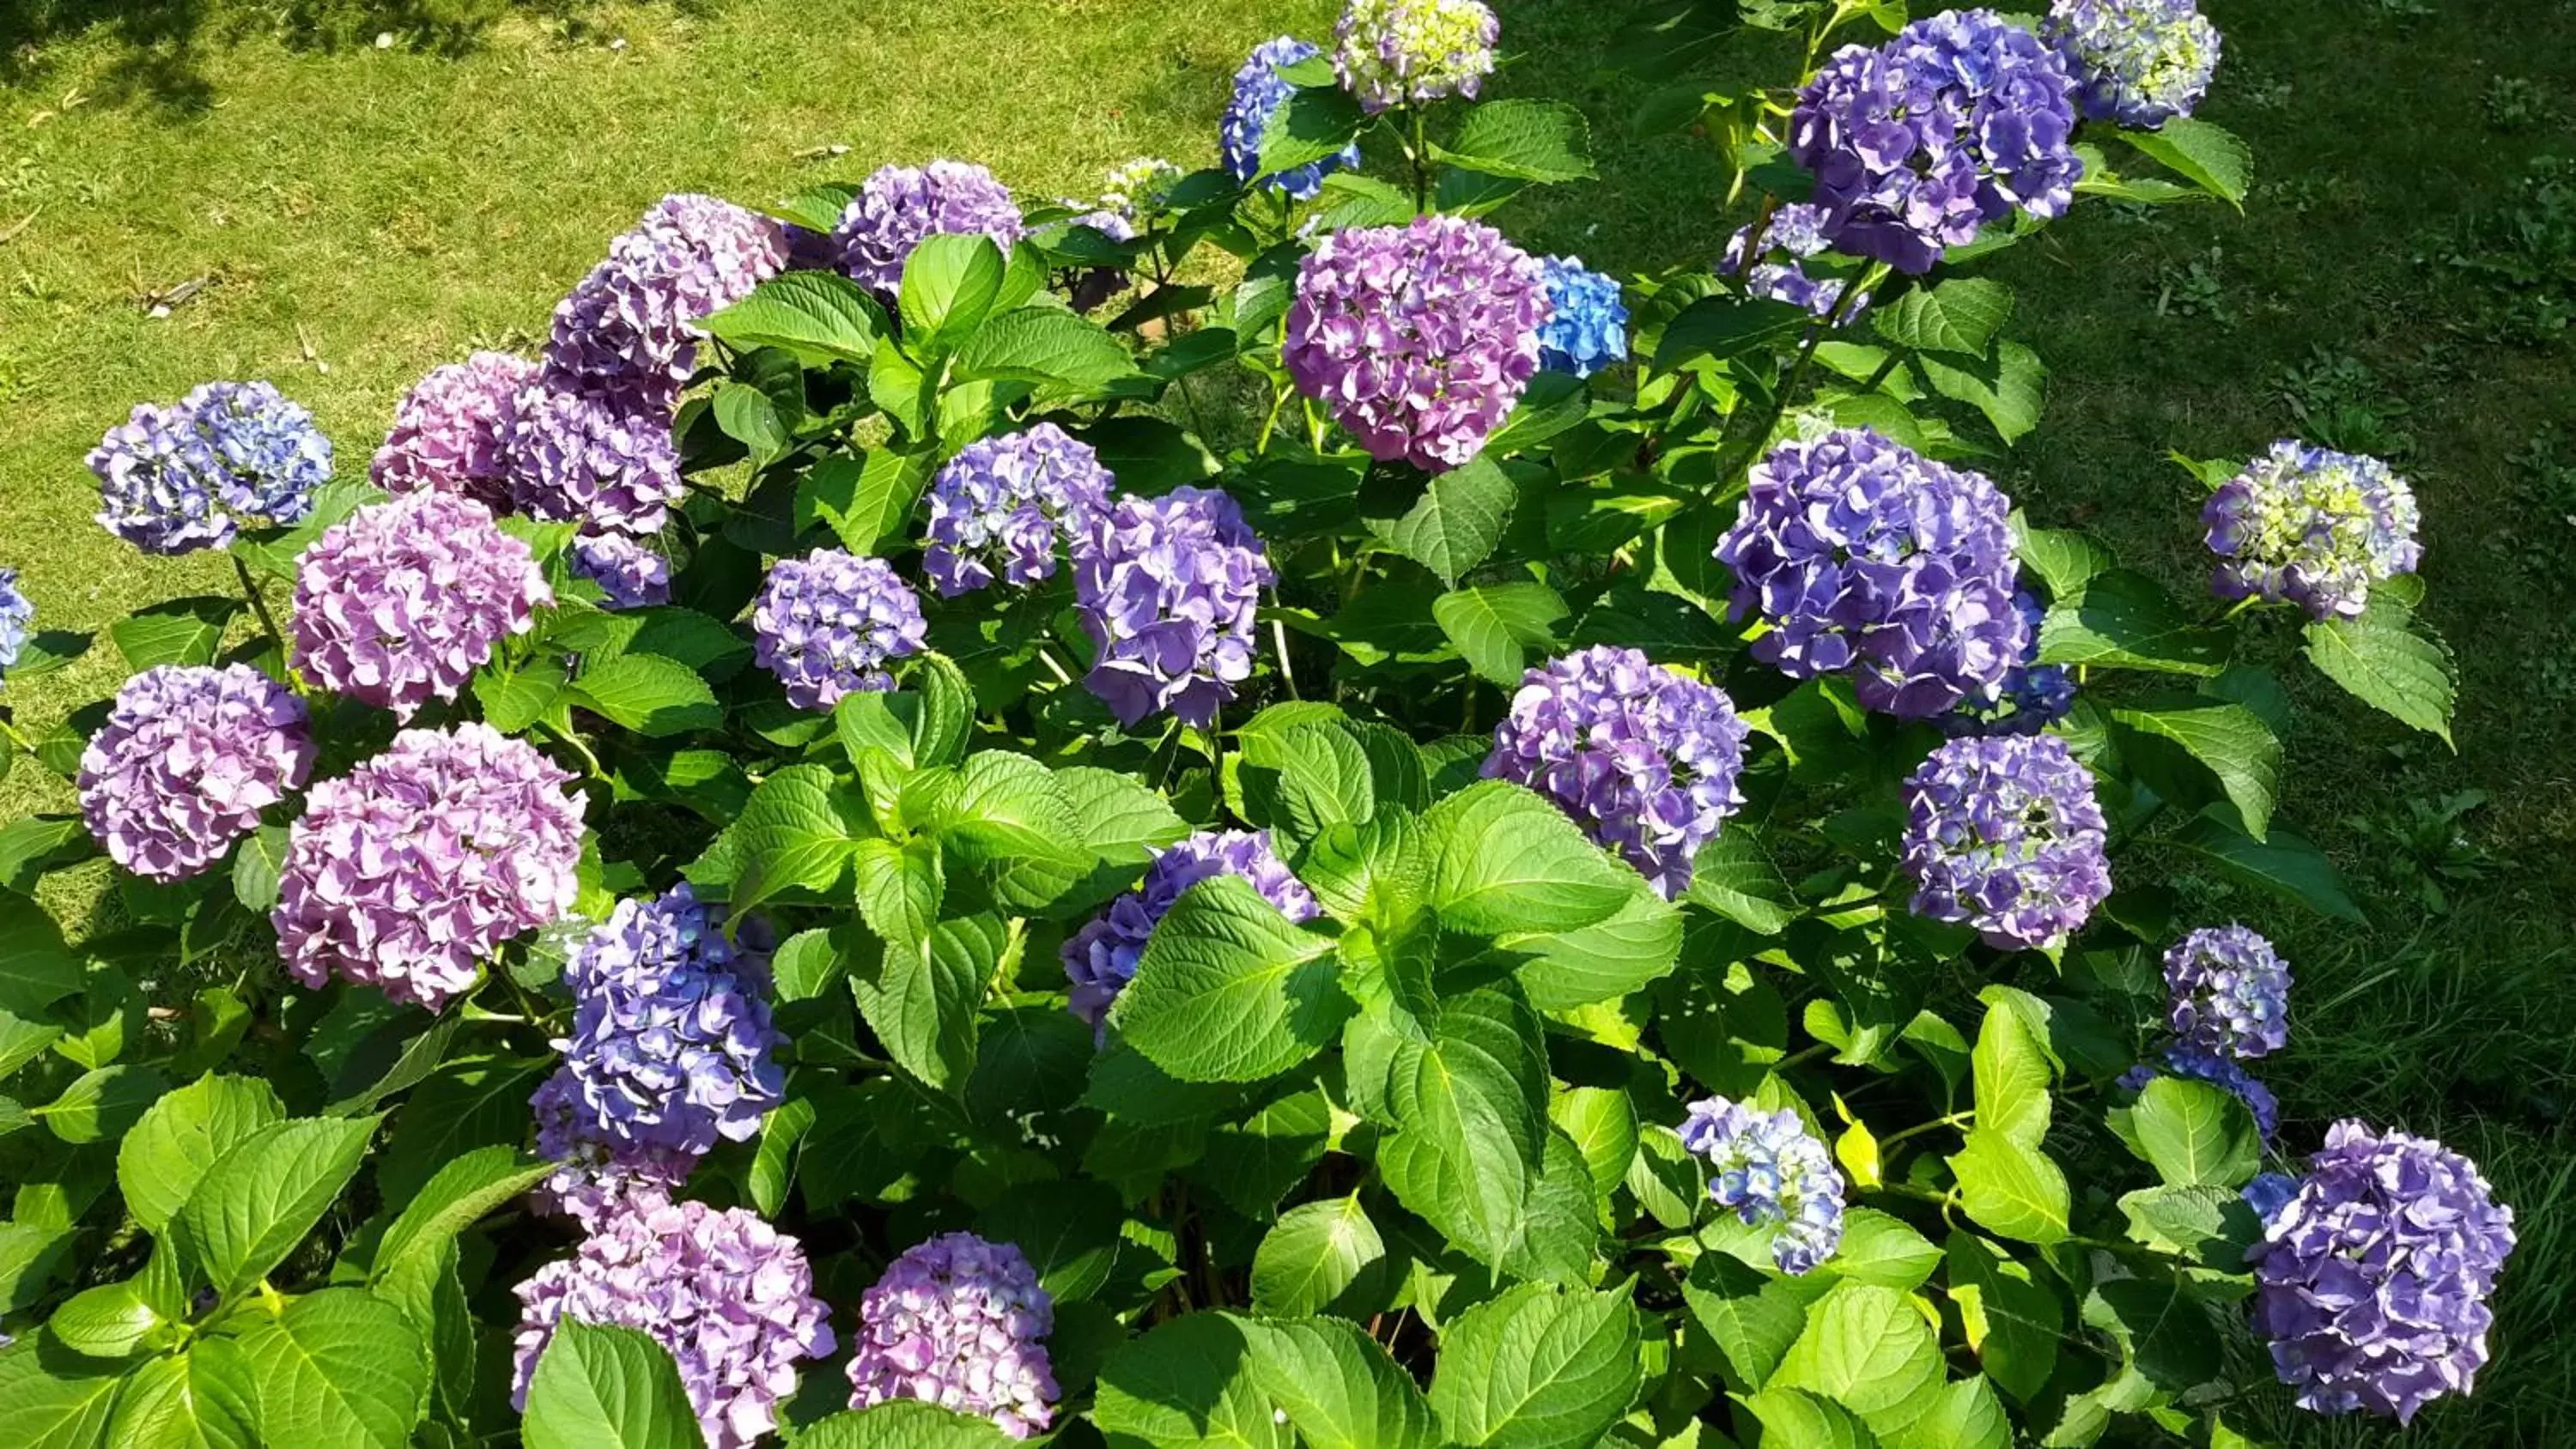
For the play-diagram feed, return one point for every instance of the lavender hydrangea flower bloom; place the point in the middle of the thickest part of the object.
(1916, 145)
(602, 461)
(451, 432)
(2372, 1282)
(1100, 959)
(2311, 527)
(594, 1177)
(2230, 992)
(1770, 1170)
(1418, 338)
(2031, 697)
(2191, 1064)
(628, 330)
(1168, 589)
(626, 569)
(827, 625)
(1587, 325)
(1864, 557)
(1394, 51)
(409, 871)
(1259, 92)
(176, 479)
(1008, 503)
(17, 612)
(2004, 835)
(730, 1296)
(405, 600)
(187, 760)
(2138, 62)
(899, 205)
(1644, 759)
(1797, 230)
(961, 1323)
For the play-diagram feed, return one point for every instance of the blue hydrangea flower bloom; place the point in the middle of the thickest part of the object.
(1588, 328)
(828, 624)
(1168, 589)
(2004, 835)
(962, 1323)
(1771, 1170)
(2031, 697)
(269, 449)
(2311, 527)
(2371, 1282)
(1010, 504)
(2137, 62)
(1100, 959)
(2230, 992)
(2268, 1192)
(2199, 1066)
(1394, 51)
(1259, 92)
(176, 479)
(17, 613)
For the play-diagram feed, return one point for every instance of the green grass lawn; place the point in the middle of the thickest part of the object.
(364, 213)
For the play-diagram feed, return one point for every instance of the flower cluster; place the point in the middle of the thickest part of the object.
(1644, 759)
(17, 612)
(731, 1297)
(594, 1178)
(451, 432)
(627, 569)
(828, 624)
(176, 479)
(411, 869)
(594, 459)
(186, 761)
(1395, 51)
(1863, 556)
(2372, 1280)
(1418, 338)
(1797, 231)
(1259, 92)
(405, 600)
(2031, 697)
(2311, 527)
(1139, 189)
(1100, 959)
(1168, 589)
(899, 205)
(961, 1323)
(2004, 835)
(2193, 1064)
(1772, 1171)
(2230, 992)
(1916, 145)
(1008, 505)
(2138, 62)
(1587, 325)
(626, 331)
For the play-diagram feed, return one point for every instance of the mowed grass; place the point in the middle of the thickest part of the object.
(364, 214)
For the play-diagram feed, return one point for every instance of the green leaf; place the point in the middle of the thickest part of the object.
(2124, 620)
(1046, 347)
(1495, 626)
(36, 968)
(41, 1409)
(1316, 777)
(792, 835)
(821, 317)
(2011, 1188)
(2283, 862)
(2011, 1078)
(102, 1103)
(1453, 525)
(1539, 1367)
(2064, 560)
(1599, 962)
(1000, 807)
(1317, 122)
(1961, 315)
(261, 1197)
(2382, 660)
(750, 417)
(1189, 1381)
(199, 1399)
(2209, 157)
(1733, 876)
(2006, 389)
(2209, 1226)
(34, 845)
(180, 631)
(773, 1165)
(256, 864)
(2196, 1134)
(1471, 1108)
(949, 285)
(1753, 1317)
(607, 1388)
(514, 699)
(1602, 1124)
(1867, 1349)
(922, 995)
(1124, 820)
(1792, 1419)
(47, 650)
(1553, 403)
(648, 694)
(1069, 1231)
(184, 1134)
(904, 1424)
(338, 1367)
(455, 1199)
(1721, 327)
(1311, 1254)
(1228, 990)
(1523, 140)
(2011, 1319)
(899, 886)
(1338, 1386)
(1880, 1249)
(2232, 741)
(2166, 1333)
(467, 1103)
(108, 1321)
(29, 1255)
(1507, 860)
(862, 499)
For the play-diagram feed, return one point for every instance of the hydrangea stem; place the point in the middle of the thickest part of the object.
(258, 604)
(1421, 160)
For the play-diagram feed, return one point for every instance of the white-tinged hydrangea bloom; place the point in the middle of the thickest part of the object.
(1773, 1172)
(403, 601)
(187, 760)
(2138, 62)
(2230, 992)
(1394, 51)
(451, 432)
(2312, 527)
(961, 1323)
(1006, 506)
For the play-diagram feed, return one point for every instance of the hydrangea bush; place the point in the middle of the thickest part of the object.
(1257, 810)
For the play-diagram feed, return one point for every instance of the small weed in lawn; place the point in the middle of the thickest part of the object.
(2424, 851)
(2524, 253)
(2192, 289)
(2515, 103)
(2340, 402)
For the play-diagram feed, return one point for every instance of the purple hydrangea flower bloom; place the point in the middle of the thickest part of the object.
(1394, 51)
(961, 1323)
(176, 479)
(1916, 145)
(2137, 62)
(187, 760)
(1798, 230)
(827, 625)
(2004, 835)
(1587, 325)
(2230, 992)
(594, 1177)
(2311, 527)
(405, 600)
(1168, 588)
(1259, 92)
(17, 612)
(1864, 557)
(2372, 1281)
(451, 432)
(628, 330)
(2032, 697)
(412, 869)
(1771, 1170)
(626, 568)
(2192, 1064)
(730, 1296)
(1644, 759)
(899, 205)
(602, 461)
(1009, 503)
(1100, 959)
(1418, 338)
(270, 453)
(2268, 1192)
